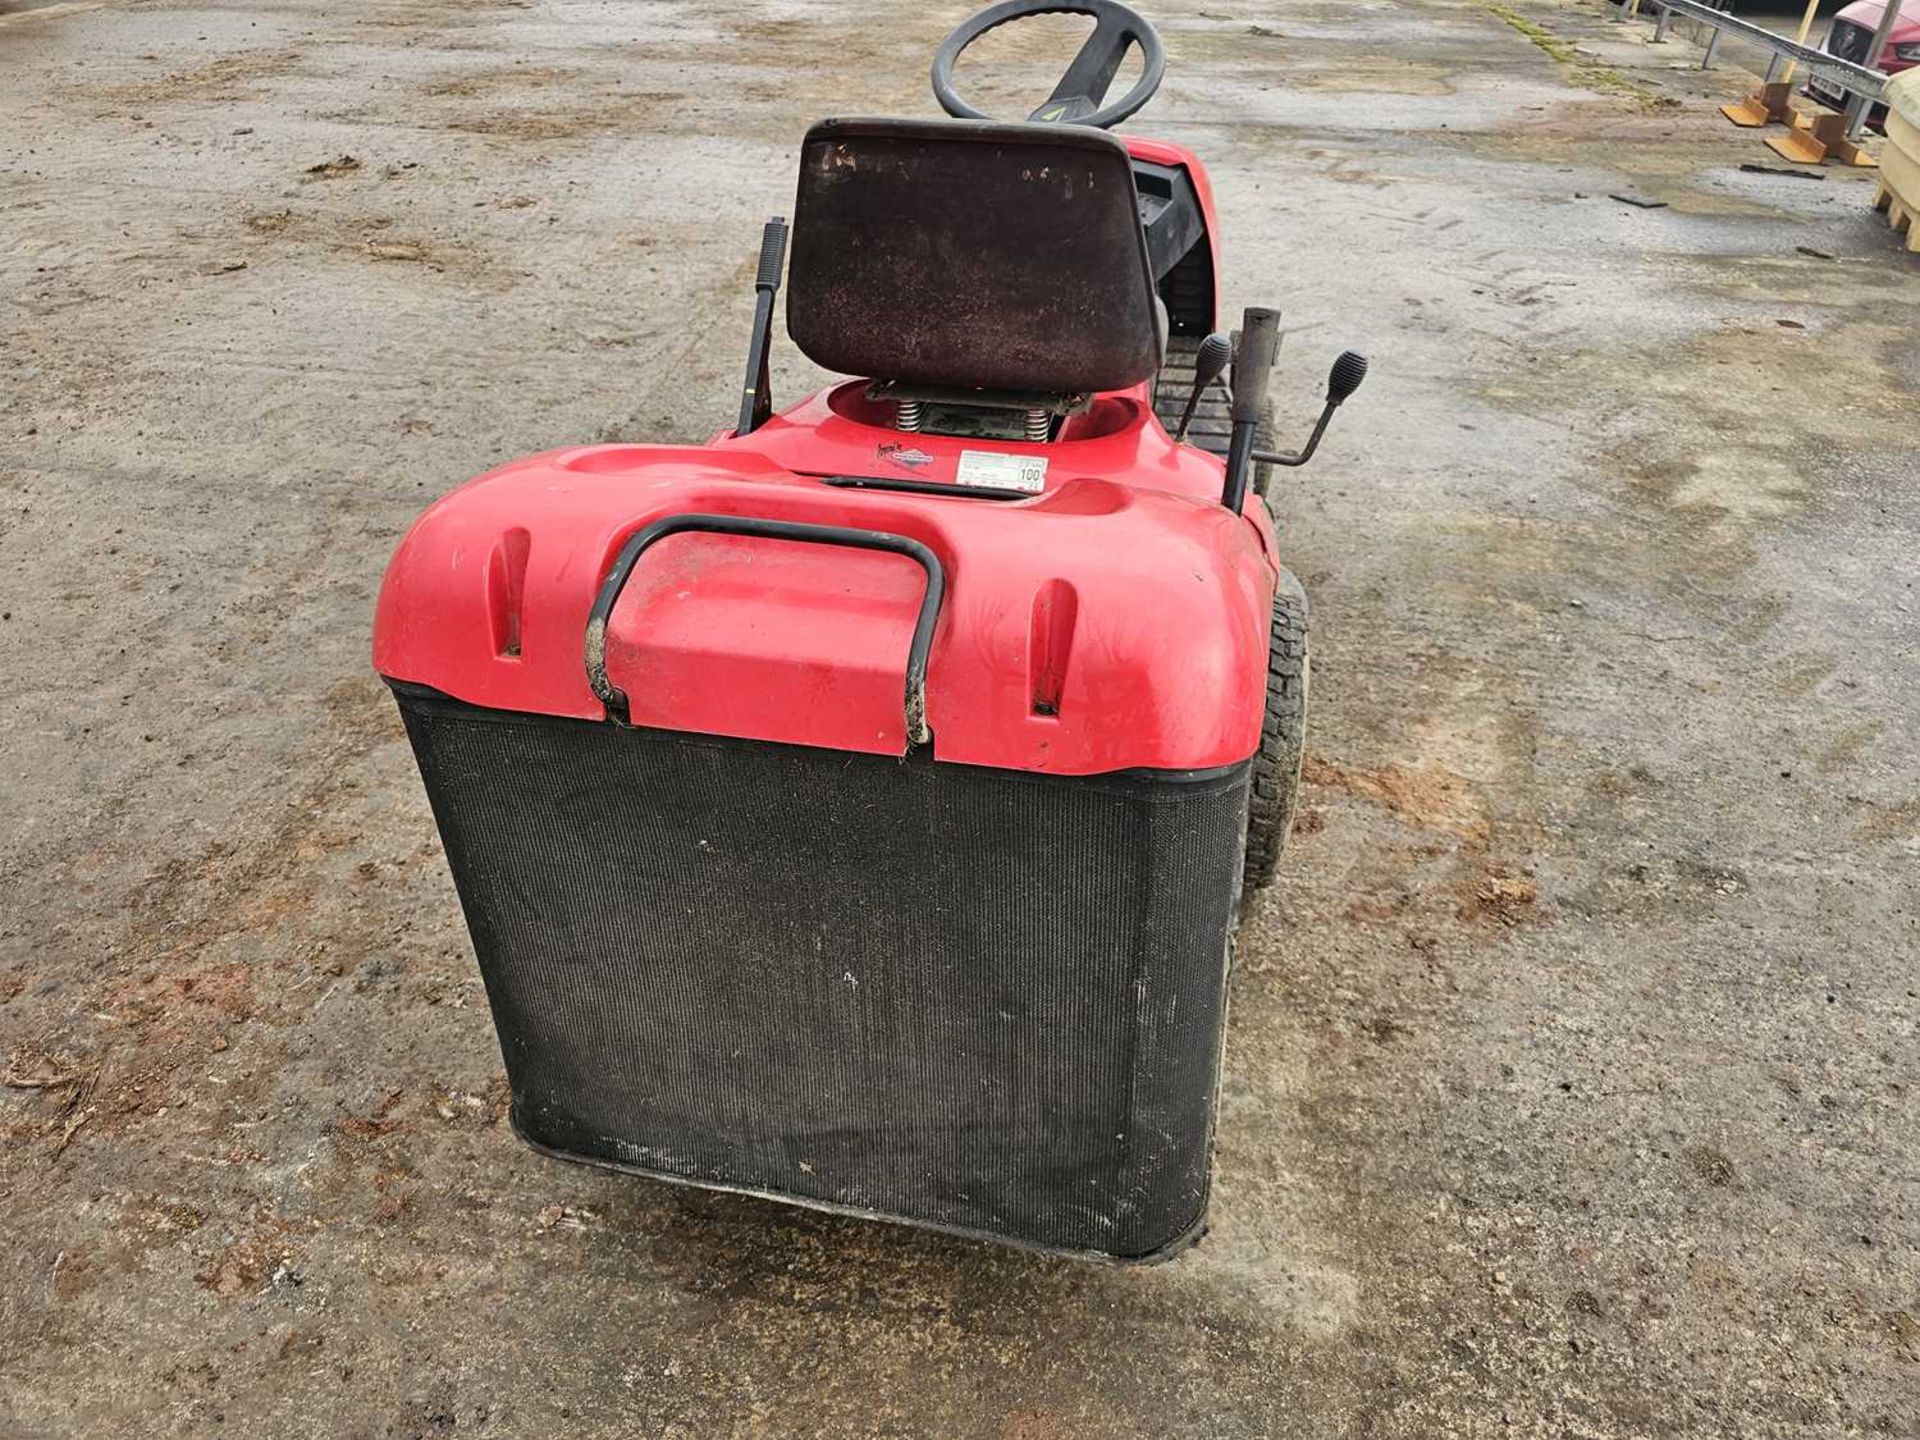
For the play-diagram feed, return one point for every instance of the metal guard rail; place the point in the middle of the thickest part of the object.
(1842, 74)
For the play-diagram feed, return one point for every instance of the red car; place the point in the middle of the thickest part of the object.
(1851, 38)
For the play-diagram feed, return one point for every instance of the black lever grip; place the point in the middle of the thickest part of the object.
(773, 253)
(1348, 371)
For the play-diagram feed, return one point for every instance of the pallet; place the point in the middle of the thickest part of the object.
(1898, 216)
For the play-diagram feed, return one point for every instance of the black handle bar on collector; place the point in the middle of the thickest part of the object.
(615, 699)
(1076, 99)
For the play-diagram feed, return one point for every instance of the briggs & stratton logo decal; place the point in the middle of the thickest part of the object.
(898, 454)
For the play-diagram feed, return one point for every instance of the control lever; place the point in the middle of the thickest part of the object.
(756, 403)
(1252, 370)
(1208, 363)
(1345, 377)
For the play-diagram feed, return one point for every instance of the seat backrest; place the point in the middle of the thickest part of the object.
(971, 254)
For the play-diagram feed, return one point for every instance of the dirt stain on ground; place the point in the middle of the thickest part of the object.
(1427, 795)
(1744, 380)
(1381, 76)
(246, 76)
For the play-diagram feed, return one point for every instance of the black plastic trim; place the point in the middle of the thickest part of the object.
(1169, 214)
(924, 487)
(426, 695)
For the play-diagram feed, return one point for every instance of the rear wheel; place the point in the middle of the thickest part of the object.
(1283, 733)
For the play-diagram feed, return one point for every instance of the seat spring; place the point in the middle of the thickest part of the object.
(1039, 427)
(908, 415)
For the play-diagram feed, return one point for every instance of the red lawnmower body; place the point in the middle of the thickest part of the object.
(1117, 620)
(855, 810)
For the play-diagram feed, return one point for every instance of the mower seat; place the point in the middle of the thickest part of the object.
(972, 255)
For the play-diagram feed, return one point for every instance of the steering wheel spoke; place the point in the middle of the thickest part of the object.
(1079, 97)
(1090, 76)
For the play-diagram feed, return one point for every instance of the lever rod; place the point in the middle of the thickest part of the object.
(1208, 363)
(1305, 453)
(1193, 400)
(1347, 373)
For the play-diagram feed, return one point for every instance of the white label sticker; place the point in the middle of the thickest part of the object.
(991, 470)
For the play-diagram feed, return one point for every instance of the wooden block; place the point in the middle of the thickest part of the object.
(1798, 146)
(1769, 104)
(1828, 127)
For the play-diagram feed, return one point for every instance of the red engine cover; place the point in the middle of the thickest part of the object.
(1117, 620)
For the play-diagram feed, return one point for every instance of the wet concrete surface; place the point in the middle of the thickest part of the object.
(1569, 1084)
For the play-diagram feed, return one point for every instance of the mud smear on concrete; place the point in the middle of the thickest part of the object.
(1721, 428)
(1378, 76)
(1581, 67)
(543, 103)
(619, 112)
(1643, 151)
(1402, 884)
(186, 974)
(230, 78)
(293, 236)
(473, 18)
(503, 79)
(1427, 795)
(334, 169)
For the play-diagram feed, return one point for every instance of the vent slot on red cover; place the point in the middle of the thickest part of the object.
(1055, 609)
(506, 590)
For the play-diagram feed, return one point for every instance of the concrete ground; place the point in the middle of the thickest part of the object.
(1570, 1079)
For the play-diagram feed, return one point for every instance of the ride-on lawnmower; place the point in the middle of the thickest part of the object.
(752, 913)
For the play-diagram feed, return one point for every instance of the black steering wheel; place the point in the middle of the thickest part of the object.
(1076, 99)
